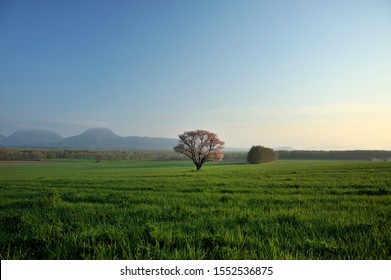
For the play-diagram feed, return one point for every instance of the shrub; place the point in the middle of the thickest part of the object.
(260, 154)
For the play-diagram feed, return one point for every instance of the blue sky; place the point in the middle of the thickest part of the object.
(306, 74)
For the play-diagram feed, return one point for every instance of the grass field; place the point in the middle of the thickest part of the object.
(79, 209)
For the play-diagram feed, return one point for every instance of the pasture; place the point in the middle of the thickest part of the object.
(79, 209)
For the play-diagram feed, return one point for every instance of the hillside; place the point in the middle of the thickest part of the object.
(92, 139)
(31, 138)
(105, 139)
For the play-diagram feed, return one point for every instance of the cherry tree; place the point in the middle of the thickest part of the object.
(200, 146)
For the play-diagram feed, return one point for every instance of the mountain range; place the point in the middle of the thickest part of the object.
(92, 139)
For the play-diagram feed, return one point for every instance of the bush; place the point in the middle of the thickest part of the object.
(260, 154)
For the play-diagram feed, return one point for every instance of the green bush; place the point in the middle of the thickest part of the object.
(260, 154)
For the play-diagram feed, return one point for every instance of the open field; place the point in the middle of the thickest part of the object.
(79, 209)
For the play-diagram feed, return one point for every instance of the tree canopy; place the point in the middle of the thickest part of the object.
(200, 146)
(260, 154)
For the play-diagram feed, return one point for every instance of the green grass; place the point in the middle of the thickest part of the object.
(78, 209)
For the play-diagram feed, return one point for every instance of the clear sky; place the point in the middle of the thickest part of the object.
(306, 74)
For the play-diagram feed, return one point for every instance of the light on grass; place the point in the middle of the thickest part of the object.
(158, 210)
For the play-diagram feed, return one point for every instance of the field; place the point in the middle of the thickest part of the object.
(79, 209)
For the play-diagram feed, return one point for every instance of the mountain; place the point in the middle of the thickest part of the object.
(31, 138)
(2, 137)
(92, 139)
(105, 139)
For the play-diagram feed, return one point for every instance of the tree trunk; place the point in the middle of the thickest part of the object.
(198, 167)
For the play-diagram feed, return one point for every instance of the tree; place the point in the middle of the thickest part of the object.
(200, 146)
(260, 154)
(98, 157)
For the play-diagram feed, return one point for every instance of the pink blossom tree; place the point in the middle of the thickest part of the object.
(200, 146)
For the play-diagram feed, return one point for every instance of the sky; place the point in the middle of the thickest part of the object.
(304, 74)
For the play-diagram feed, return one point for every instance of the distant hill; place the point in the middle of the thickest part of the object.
(92, 139)
(2, 137)
(31, 138)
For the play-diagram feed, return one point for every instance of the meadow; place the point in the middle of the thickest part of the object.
(79, 209)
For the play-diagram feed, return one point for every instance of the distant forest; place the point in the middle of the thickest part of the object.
(376, 155)
(38, 154)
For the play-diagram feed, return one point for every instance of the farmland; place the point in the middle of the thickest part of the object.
(123, 209)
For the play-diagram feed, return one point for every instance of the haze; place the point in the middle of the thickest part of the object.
(306, 74)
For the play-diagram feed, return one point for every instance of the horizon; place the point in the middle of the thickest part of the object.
(230, 148)
(287, 73)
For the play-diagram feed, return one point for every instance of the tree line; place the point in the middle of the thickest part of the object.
(43, 154)
(337, 155)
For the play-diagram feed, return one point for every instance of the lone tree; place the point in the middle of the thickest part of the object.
(260, 154)
(200, 146)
